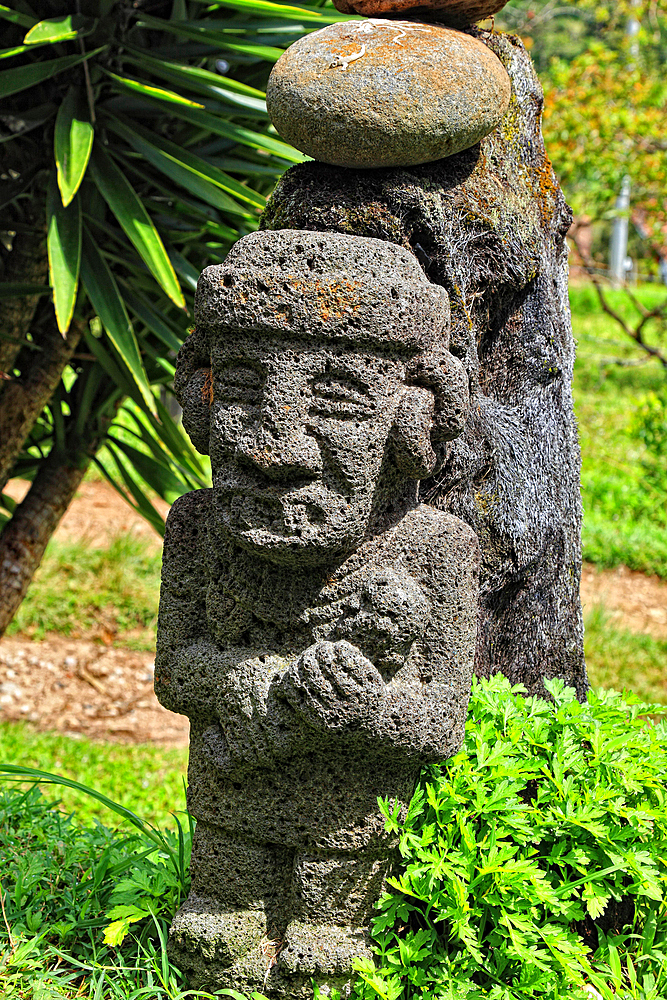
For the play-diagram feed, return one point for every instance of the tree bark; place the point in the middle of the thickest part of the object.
(489, 225)
(25, 537)
(26, 262)
(24, 398)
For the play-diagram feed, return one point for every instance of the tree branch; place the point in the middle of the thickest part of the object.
(637, 333)
(25, 537)
(24, 398)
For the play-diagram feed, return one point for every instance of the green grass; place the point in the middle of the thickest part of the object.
(625, 513)
(78, 590)
(640, 544)
(146, 779)
(622, 660)
(59, 883)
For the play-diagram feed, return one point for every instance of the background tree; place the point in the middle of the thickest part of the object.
(135, 148)
(602, 71)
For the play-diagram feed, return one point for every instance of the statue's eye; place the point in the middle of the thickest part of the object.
(341, 396)
(238, 384)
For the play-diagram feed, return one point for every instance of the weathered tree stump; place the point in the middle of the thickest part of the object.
(489, 225)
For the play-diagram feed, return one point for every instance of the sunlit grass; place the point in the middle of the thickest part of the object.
(623, 660)
(79, 590)
(625, 516)
(146, 779)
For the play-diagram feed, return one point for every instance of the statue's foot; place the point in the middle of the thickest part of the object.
(205, 939)
(218, 949)
(322, 949)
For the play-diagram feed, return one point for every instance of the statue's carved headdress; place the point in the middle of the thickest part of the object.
(335, 288)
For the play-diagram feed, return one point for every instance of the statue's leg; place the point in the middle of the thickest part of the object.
(332, 900)
(231, 926)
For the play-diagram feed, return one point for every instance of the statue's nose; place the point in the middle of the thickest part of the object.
(282, 447)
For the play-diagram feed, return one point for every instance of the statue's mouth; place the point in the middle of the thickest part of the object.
(277, 512)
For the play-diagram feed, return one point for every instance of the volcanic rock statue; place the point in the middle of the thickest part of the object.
(317, 623)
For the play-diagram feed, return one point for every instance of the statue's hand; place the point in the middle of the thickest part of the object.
(333, 686)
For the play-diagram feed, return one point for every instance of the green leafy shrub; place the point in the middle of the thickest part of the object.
(534, 863)
(63, 887)
(534, 859)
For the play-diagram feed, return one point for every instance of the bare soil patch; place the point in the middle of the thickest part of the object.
(635, 602)
(78, 687)
(84, 687)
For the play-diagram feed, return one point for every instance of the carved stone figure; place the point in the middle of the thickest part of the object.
(317, 623)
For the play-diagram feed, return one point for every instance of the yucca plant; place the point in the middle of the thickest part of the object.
(135, 148)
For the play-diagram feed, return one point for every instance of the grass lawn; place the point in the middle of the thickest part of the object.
(76, 587)
(149, 780)
(624, 495)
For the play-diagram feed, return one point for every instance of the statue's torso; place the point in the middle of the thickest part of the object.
(225, 647)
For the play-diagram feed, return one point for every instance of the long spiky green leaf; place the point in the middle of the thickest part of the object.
(102, 289)
(135, 222)
(13, 81)
(63, 241)
(73, 142)
(264, 8)
(192, 172)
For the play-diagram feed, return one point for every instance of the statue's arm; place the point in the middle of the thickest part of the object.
(425, 704)
(419, 712)
(182, 631)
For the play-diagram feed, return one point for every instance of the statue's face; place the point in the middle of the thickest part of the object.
(299, 433)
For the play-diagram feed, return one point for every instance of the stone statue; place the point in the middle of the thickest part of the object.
(317, 623)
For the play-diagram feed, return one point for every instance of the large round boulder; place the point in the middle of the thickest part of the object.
(381, 93)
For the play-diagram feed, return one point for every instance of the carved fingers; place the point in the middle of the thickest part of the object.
(333, 686)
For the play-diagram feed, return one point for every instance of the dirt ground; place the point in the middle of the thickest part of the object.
(635, 602)
(81, 687)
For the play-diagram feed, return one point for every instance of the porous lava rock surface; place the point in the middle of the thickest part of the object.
(317, 622)
(385, 93)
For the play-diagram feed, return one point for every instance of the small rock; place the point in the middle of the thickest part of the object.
(71, 661)
(11, 674)
(453, 13)
(11, 691)
(381, 93)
